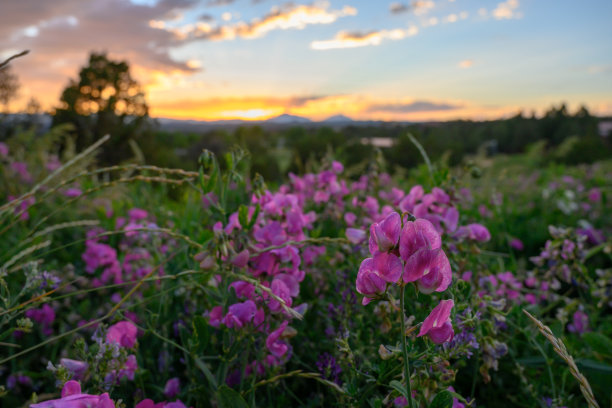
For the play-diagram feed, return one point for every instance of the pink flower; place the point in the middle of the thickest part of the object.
(241, 259)
(76, 367)
(4, 150)
(438, 325)
(369, 282)
(431, 270)
(72, 192)
(215, 316)
(416, 235)
(172, 388)
(277, 347)
(122, 333)
(517, 244)
(478, 232)
(240, 314)
(355, 235)
(580, 323)
(71, 388)
(384, 235)
(72, 398)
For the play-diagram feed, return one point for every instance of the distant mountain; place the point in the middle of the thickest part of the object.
(338, 119)
(285, 119)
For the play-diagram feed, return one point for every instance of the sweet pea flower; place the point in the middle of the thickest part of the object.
(240, 314)
(72, 398)
(76, 367)
(580, 322)
(241, 259)
(384, 235)
(122, 333)
(517, 244)
(416, 235)
(277, 347)
(478, 232)
(172, 388)
(369, 282)
(355, 236)
(438, 325)
(431, 270)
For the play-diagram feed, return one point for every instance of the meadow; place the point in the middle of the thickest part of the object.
(484, 283)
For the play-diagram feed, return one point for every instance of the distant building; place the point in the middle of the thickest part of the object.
(605, 128)
(382, 142)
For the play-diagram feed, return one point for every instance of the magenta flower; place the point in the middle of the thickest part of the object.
(580, 322)
(478, 232)
(240, 314)
(122, 333)
(355, 236)
(4, 149)
(277, 347)
(172, 388)
(369, 282)
(431, 270)
(384, 235)
(76, 367)
(517, 244)
(438, 325)
(416, 235)
(241, 259)
(72, 398)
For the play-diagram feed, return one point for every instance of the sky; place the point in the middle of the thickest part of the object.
(414, 60)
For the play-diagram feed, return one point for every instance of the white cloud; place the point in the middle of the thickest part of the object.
(345, 39)
(507, 10)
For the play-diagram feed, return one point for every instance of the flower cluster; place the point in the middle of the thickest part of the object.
(408, 252)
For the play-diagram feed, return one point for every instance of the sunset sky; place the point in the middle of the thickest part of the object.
(370, 59)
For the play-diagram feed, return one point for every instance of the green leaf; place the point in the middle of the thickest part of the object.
(595, 366)
(399, 387)
(200, 330)
(599, 343)
(229, 398)
(444, 399)
(254, 217)
(243, 215)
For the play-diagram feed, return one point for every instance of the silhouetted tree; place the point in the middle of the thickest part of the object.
(9, 86)
(104, 100)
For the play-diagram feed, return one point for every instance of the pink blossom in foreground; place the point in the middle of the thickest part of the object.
(431, 270)
(438, 325)
(369, 282)
(122, 333)
(416, 235)
(72, 398)
(277, 347)
(385, 235)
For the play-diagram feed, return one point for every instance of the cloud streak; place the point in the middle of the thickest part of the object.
(353, 39)
(287, 17)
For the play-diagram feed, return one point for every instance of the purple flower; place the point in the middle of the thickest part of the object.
(355, 235)
(369, 282)
(277, 347)
(240, 314)
(416, 235)
(172, 388)
(580, 322)
(431, 270)
(122, 333)
(72, 398)
(438, 325)
(384, 235)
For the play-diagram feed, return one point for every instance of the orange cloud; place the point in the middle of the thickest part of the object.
(288, 17)
(345, 39)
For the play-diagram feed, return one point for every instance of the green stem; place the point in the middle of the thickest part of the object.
(405, 349)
